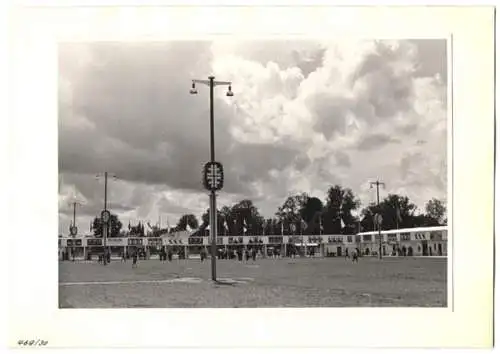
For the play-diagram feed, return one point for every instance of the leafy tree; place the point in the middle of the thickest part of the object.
(389, 207)
(269, 226)
(349, 203)
(290, 212)
(227, 220)
(311, 214)
(246, 215)
(340, 202)
(115, 226)
(205, 219)
(367, 217)
(187, 220)
(435, 210)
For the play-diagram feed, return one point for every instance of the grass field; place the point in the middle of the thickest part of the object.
(328, 282)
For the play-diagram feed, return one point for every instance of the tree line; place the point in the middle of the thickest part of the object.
(303, 214)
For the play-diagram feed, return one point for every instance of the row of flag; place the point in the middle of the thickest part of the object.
(303, 225)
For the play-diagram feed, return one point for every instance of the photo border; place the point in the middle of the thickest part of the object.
(35, 36)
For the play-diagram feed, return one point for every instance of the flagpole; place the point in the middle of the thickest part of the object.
(398, 216)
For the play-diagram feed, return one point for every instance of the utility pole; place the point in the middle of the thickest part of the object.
(378, 184)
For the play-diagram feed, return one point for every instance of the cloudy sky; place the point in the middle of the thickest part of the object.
(305, 115)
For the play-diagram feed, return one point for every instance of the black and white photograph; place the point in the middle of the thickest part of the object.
(262, 177)
(257, 173)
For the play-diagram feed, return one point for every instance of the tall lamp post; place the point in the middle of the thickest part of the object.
(105, 215)
(213, 204)
(73, 228)
(378, 216)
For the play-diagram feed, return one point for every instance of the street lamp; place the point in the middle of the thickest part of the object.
(378, 216)
(105, 223)
(73, 228)
(213, 205)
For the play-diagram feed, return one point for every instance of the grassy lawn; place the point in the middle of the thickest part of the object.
(328, 282)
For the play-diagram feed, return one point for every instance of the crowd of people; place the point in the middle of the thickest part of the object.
(238, 253)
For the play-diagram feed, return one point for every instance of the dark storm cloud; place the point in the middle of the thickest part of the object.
(143, 125)
(125, 108)
(387, 92)
(171, 206)
(249, 160)
(408, 128)
(375, 141)
(330, 113)
(343, 159)
(433, 58)
(383, 87)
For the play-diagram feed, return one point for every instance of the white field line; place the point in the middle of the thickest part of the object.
(164, 281)
(176, 280)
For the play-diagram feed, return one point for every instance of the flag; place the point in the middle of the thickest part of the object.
(91, 226)
(244, 227)
(342, 224)
(129, 227)
(282, 228)
(398, 215)
(188, 228)
(303, 224)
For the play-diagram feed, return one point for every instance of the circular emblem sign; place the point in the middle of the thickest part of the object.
(73, 230)
(105, 216)
(213, 176)
(378, 219)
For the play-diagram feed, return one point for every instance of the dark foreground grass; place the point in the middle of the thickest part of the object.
(329, 282)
